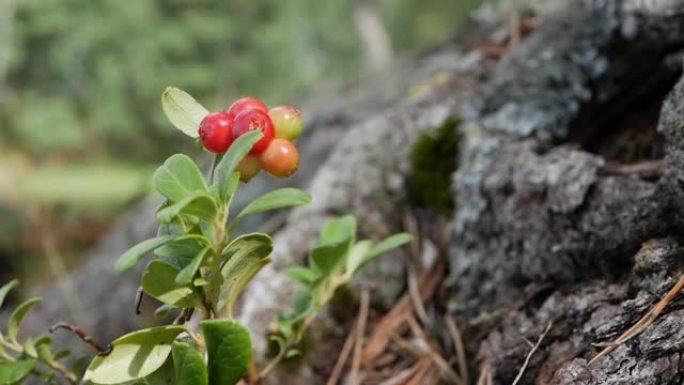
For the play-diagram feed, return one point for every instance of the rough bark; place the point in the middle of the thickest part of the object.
(546, 230)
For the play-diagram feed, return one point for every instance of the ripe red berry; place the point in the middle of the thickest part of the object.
(248, 168)
(281, 158)
(287, 121)
(252, 120)
(215, 131)
(247, 103)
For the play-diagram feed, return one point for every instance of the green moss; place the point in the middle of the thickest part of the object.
(433, 160)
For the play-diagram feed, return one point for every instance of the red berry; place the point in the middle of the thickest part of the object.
(287, 121)
(253, 120)
(247, 103)
(248, 168)
(281, 158)
(215, 131)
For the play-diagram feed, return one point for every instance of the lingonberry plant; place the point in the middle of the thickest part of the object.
(201, 266)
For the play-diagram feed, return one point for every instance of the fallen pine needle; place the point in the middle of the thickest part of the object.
(529, 355)
(396, 318)
(643, 323)
(360, 331)
(342, 359)
(485, 375)
(458, 347)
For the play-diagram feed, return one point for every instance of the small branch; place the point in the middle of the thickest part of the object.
(90, 341)
(272, 365)
(529, 355)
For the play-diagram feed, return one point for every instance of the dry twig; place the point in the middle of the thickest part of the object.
(529, 355)
(458, 347)
(360, 331)
(643, 323)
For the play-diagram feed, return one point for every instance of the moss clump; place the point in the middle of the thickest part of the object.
(433, 160)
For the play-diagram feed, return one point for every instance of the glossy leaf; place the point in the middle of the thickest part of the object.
(182, 250)
(13, 372)
(329, 258)
(18, 316)
(357, 256)
(183, 111)
(134, 356)
(238, 150)
(179, 177)
(301, 274)
(198, 203)
(136, 253)
(189, 365)
(277, 199)
(388, 244)
(229, 351)
(337, 230)
(186, 276)
(248, 254)
(6, 288)
(159, 281)
(165, 375)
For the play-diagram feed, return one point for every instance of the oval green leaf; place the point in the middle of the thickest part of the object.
(136, 253)
(18, 316)
(13, 372)
(6, 288)
(301, 274)
(277, 199)
(198, 203)
(189, 365)
(388, 244)
(133, 356)
(186, 276)
(248, 254)
(179, 177)
(229, 349)
(357, 256)
(237, 151)
(183, 111)
(159, 281)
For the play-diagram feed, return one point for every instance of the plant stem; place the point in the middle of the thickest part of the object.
(55, 366)
(276, 360)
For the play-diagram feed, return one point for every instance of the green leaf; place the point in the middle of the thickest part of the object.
(229, 349)
(303, 305)
(248, 254)
(6, 288)
(277, 199)
(329, 258)
(185, 277)
(136, 253)
(183, 111)
(232, 187)
(182, 250)
(13, 372)
(163, 311)
(357, 256)
(301, 274)
(388, 244)
(159, 281)
(165, 375)
(238, 150)
(179, 177)
(43, 347)
(198, 203)
(18, 315)
(134, 356)
(189, 365)
(337, 230)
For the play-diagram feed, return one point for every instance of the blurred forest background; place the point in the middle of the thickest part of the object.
(81, 128)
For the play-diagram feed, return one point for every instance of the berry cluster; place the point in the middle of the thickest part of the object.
(274, 152)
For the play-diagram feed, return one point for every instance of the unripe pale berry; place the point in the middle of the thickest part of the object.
(254, 120)
(215, 131)
(249, 167)
(281, 158)
(247, 103)
(287, 121)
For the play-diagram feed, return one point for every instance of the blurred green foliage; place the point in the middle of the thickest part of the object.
(85, 76)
